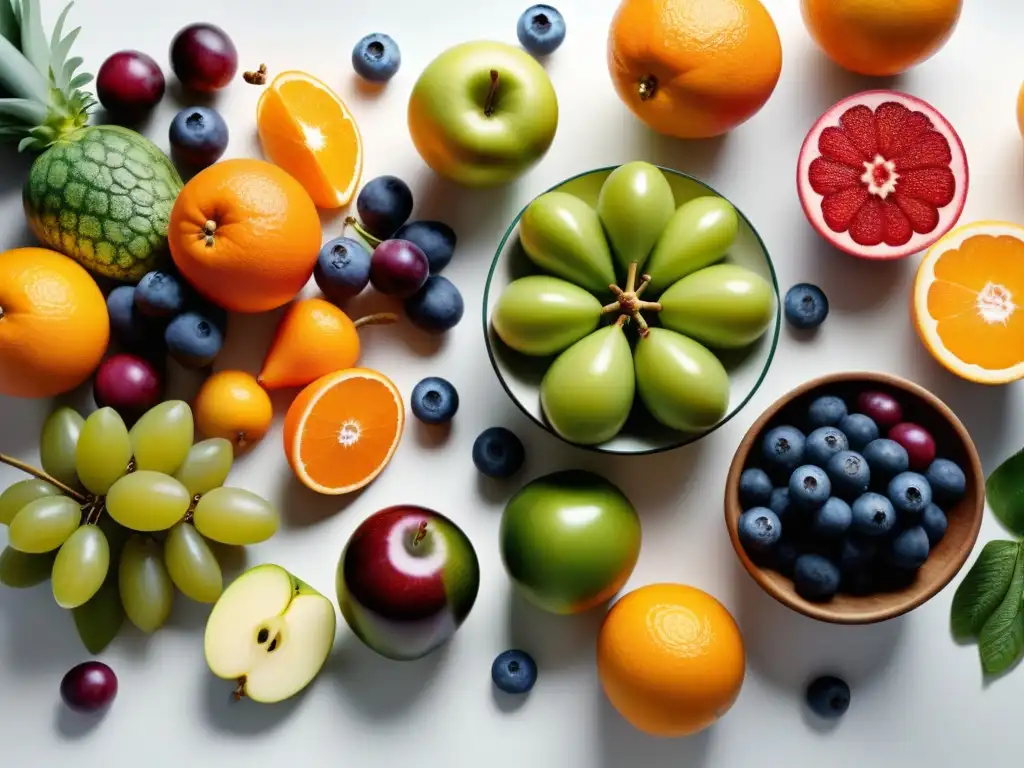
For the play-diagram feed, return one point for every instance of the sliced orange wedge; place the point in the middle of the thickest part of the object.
(306, 129)
(968, 302)
(342, 430)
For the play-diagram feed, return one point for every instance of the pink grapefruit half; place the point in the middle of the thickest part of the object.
(882, 175)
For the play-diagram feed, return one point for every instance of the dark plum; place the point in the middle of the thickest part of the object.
(129, 84)
(884, 409)
(435, 238)
(203, 57)
(398, 268)
(918, 441)
(89, 687)
(129, 384)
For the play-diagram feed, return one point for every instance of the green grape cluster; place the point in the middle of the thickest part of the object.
(122, 517)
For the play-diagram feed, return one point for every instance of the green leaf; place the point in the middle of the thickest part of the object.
(984, 587)
(1001, 641)
(9, 26)
(1005, 491)
(100, 619)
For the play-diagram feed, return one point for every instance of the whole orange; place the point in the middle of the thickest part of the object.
(54, 326)
(245, 234)
(880, 37)
(670, 659)
(694, 68)
(232, 405)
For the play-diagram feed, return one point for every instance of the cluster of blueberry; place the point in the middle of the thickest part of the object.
(842, 508)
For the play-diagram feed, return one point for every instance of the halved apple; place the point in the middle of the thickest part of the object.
(271, 633)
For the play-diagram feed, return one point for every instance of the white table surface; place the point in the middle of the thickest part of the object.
(918, 698)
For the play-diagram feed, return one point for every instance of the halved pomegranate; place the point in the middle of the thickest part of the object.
(882, 175)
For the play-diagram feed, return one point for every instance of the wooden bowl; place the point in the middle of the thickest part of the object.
(947, 557)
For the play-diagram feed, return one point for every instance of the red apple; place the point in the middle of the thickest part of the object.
(406, 581)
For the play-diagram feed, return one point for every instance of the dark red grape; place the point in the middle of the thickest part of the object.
(129, 84)
(884, 409)
(89, 687)
(128, 384)
(918, 441)
(203, 57)
(398, 268)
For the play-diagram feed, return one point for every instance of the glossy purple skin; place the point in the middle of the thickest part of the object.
(919, 443)
(130, 83)
(398, 268)
(883, 409)
(204, 58)
(89, 687)
(129, 384)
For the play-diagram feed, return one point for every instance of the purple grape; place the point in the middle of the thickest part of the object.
(398, 268)
(129, 84)
(89, 687)
(203, 57)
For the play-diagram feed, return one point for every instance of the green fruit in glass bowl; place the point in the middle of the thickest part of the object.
(635, 205)
(541, 315)
(724, 306)
(569, 541)
(698, 234)
(681, 382)
(587, 393)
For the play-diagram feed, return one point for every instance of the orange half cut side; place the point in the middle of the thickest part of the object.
(968, 302)
(306, 129)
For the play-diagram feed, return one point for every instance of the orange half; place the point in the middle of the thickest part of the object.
(968, 302)
(306, 129)
(342, 430)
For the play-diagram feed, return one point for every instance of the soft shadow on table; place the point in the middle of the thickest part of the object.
(555, 642)
(32, 615)
(651, 481)
(471, 213)
(623, 746)
(828, 83)
(697, 157)
(303, 508)
(244, 717)
(71, 725)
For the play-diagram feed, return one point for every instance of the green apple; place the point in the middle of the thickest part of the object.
(482, 113)
(269, 632)
(698, 234)
(569, 541)
(541, 315)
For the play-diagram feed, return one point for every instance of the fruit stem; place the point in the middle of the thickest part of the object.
(239, 693)
(377, 318)
(38, 473)
(352, 221)
(208, 229)
(621, 320)
(647, 87)
(645, 280)
(491, 93)
(94, 511)
(631, 277)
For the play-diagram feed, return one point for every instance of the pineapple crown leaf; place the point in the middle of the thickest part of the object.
(24, 111)
(34, 45)
(10, 25)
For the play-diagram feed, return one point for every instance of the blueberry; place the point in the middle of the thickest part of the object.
(159, 294)
(498, 452)
(859, 430)
(910, 549)
(934, 522)
(376, 58)
(755, 488)
(342, 269)
(832, 520)
(437, 306)
(828, 697)
(949, 484)
(436, 239)
(886, 459)
(759, 529)
(856, 553)
(909, 493)
(859, 581)
(815, 577)
(849, 473)
(514, 671)
(806, 306)
(541, 29)
(193, 340)
(129, 326)
(384, 205)
(779, 502)
(434, 400)
(783, 449)
(809, 487)
(824, 443)
(873, 515)
(785, 556)
(826, 411)
(199, 136)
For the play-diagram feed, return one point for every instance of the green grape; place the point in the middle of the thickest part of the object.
(80, 567)
(234, 516)
(103, 451)
(57, 444)
(191, 565)
(146, 590)
(44, 524)
(161, 439)
(20, 570)
(116, 535)
(99, 620)
(207, 465)
(20, 494)
(147, 501)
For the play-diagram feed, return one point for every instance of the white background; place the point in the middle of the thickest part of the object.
(918, 698)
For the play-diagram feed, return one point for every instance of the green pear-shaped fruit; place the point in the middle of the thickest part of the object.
(587, 392)
(723, 306)
(698, 235)
(541, 315)
(563, 236)
(635, 205)
(682, 384)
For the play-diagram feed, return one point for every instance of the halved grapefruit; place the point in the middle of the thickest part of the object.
(882, 175)
(968, 302)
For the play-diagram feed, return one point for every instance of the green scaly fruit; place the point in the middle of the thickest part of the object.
(99, 194)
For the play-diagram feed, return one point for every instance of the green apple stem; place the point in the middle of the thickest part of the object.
(378, 318)
(38, 473)
(628, 303)
(492, 92)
